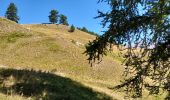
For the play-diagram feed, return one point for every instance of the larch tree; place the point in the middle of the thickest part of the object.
(141, 28)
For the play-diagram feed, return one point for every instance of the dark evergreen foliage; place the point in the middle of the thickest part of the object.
(72, 28)
(63, 20)
(11, 13)
(84, 29)
(130, 28)
(53, 17)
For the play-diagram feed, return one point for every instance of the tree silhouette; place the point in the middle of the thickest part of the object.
(131, 28)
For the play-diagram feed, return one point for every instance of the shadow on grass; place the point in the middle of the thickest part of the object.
(47, 86)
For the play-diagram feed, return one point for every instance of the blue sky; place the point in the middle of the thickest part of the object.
(79, 12)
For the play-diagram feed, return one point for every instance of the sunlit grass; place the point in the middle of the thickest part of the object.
(51, 48)
(45, 86)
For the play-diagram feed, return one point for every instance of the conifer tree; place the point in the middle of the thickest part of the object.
(63, 20)
(72, 28)
(53, 17)
(84, 29)
(11, 13)
(134, 24)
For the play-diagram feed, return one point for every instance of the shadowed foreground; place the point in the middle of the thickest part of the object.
(30, 83)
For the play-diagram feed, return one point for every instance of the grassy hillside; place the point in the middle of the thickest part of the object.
(46, 61)
(52, 49)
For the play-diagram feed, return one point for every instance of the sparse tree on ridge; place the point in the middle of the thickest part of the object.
(84, 29)
(11, 13)
(53, 17)
(63, 20)
(72, 28)
(130, 27)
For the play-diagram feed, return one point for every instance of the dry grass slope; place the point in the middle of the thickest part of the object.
(51, 48)
(27, 49)
(47, 86)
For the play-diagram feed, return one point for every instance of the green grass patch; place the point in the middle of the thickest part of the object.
(13, 37)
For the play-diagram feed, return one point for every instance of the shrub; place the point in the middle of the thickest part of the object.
(72, 28)
(84, 29)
